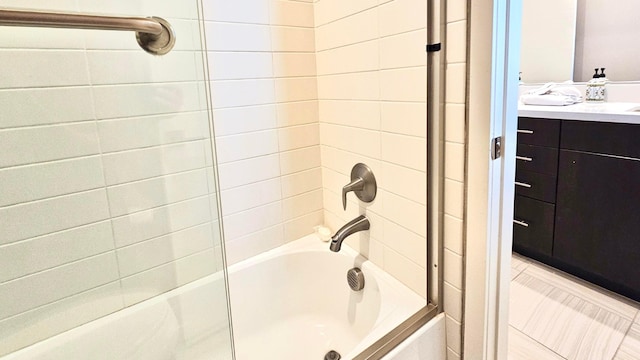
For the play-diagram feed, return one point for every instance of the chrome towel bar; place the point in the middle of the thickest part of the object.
(153, 34)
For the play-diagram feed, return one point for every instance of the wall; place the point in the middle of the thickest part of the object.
(455, 172)
(263, 78)
(372, 93)
(105, 170)
(604, 38)
(367, 104)
(548, 50)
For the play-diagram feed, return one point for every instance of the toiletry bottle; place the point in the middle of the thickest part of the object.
(596, 91)
(605, 81)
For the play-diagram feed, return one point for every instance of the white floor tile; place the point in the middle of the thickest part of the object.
(522, 347)
(568, 317)
(580, 288)
(603, 337)
(630, 347)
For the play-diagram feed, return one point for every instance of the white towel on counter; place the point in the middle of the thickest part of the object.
(552, 95)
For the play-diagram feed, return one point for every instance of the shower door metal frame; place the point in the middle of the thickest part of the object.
(436, 29)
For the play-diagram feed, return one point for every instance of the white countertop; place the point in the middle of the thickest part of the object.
(616, 112)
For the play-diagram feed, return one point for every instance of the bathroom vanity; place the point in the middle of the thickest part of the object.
(577, 204)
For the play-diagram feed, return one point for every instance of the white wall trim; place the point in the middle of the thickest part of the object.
(492, 113)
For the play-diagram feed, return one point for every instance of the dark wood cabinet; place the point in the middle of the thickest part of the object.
(533, 225)
(579, 208)
(536, 169)
(539, 132)
(597, 225)
(536, 185)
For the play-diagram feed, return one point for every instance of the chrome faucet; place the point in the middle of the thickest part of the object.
(361, 223)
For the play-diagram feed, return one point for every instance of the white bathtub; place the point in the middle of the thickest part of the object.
(290, 303)
(294, 302)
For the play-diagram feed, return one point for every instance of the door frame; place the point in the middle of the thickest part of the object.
(494, 62)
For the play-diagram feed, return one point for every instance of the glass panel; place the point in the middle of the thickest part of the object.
(109, 231)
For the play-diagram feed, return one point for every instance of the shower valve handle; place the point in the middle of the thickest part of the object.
(363, 184)
(354, 185)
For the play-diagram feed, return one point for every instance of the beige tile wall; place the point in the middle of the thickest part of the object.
(371, 65)
(275, 121)
(455, 150)
(262, 68)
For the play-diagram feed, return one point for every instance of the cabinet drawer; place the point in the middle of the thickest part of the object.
(601, 138)
(537, 159)
(540, 132)
(533, 225)
(536, 185)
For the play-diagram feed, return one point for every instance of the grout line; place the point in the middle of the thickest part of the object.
(281, 199)
(272, 178)
(374, 100)
(274, 153)
(117, 281)
(268, 25)
(626, 335)
(377, 69)
(32, 202)
(57, 232)
(157, 266)
(77, 261)
(454, 352)
(193, 199)
(280, 224)
(455, 287)
(385, 132)
(376, 6)
(536, 341)
(156, 146)
(92, 86)
(46, 125)
(191, 227)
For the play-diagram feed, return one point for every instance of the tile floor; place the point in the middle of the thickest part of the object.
(556, 316)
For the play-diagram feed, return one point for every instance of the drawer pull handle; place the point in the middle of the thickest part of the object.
(524, 158)
(521, 223)
(525, 131)
(523, 185)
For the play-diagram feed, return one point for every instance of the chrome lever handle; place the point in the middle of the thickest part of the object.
(363, 184)
(355, 185)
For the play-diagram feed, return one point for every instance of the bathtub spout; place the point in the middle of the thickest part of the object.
(361, 223)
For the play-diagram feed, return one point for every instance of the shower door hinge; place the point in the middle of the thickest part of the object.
(496, 147)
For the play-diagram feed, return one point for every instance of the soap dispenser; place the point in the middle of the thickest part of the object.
(596, 87)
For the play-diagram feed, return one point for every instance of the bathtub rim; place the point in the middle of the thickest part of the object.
(396, 336)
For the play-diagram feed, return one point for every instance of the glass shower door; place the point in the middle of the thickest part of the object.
(110, 244)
